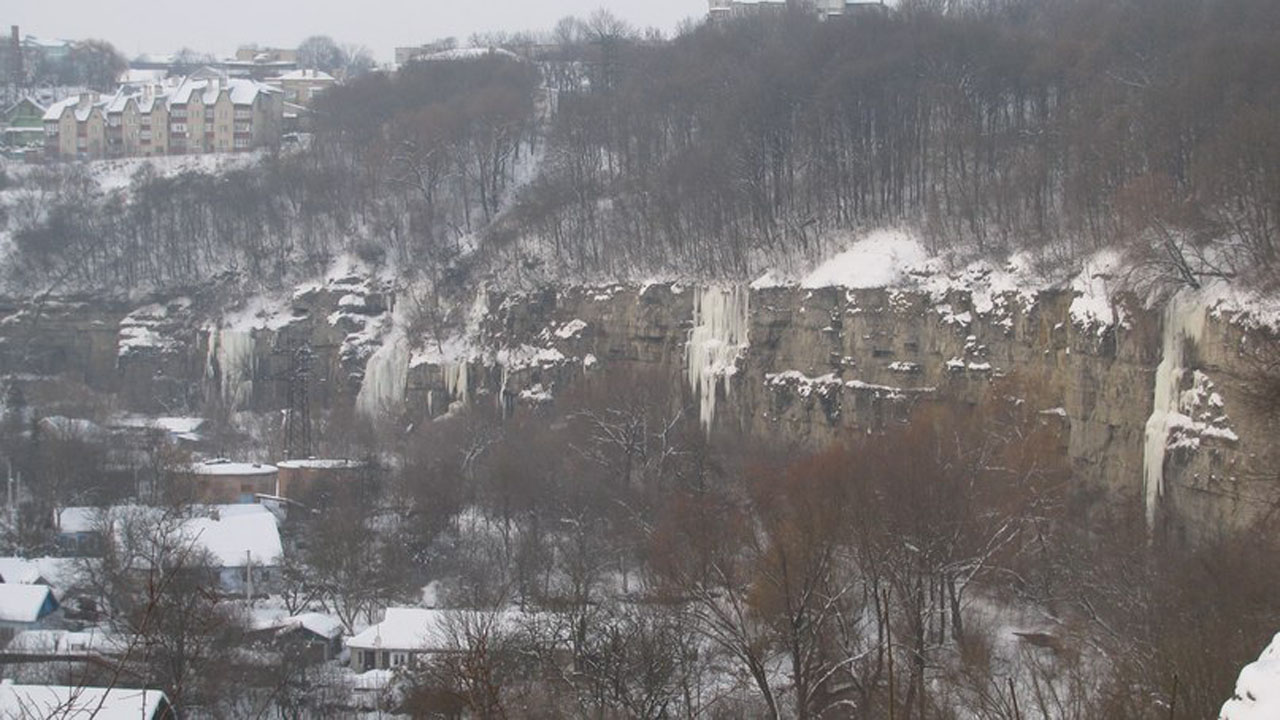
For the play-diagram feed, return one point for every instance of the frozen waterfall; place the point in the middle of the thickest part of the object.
(718, 337)
(1184, 319)
(232, 364)
(385, 377)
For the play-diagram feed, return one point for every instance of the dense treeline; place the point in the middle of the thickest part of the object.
(1061, 124)
(1056, 127)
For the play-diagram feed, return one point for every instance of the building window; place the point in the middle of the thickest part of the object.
(242, 142)
(179, 113)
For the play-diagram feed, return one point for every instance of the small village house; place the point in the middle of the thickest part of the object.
(25, 607)
(61, 701)
(300, 87)
(311, 638)
(223, 481)
(22, 124)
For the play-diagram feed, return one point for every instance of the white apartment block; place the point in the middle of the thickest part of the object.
(194, 115)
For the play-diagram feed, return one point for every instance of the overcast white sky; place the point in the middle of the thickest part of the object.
(220, 26)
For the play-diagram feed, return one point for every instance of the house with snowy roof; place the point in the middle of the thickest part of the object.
(300, 87)
(311, 637)
(223, 481)
(242, 541)
(22, 123)
(205, 112)
(24, 607)
(62, 701)
(408, 635)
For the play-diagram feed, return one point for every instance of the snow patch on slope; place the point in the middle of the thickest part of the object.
(881, 259)
(1257, 695)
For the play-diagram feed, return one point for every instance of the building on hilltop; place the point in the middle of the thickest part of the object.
(22, 123)
(825, 9)
(300, 87)
(204, 112)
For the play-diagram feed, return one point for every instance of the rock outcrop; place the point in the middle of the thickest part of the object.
(812, 365)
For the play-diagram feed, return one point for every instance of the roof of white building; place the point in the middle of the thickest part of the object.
(306, 74)
(429, 630)
(226, 467)
(325, 626)
(242, 90)
(66, 642)
(43, 701)
(228, 532)
(22, 603)
(232, 540)
(56, 572)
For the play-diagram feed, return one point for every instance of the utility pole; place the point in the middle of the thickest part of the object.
(297, 419)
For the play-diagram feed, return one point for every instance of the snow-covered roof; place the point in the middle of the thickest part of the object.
(233, 539)
(319, 75)
(174, 425)
(56, 109)
(65, 642)
(119, 101)
(323, 625)
(319, 464)
(75, 703)
(226, 467)
(425, 629)
(19, 571)
(243, 91)
(70, 427)
(26, 100)
(226, 531)
(471, 54)
(22, 603)
(416, 629)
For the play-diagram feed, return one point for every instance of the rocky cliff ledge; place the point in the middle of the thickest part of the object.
(1156, 405)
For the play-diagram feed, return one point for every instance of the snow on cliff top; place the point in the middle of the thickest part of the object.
(881, 259)
(1257, 695)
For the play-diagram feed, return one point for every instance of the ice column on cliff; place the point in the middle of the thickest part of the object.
(456, 380)
(385, 377)
(718, 337)
(231, 359)
(1184, 319)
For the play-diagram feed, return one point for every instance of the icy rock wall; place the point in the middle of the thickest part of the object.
(721, 323)
(1183, 328)
(232, 365)
(385, 375)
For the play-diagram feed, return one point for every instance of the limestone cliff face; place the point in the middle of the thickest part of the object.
(810, 365)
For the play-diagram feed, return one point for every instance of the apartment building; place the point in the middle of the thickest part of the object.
(202, 113)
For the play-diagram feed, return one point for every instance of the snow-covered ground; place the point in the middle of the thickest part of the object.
(1257, 695)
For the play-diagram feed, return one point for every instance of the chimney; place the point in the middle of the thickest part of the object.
(18, 74)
